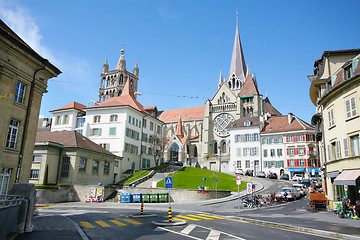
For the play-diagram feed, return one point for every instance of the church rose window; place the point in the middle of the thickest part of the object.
(221, 121)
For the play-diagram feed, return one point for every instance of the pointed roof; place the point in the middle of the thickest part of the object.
(127, 98)
(249, 88)
(270, 108)
(237, 65)
(70, 139)
(220, 78)
(179, 128)
(281, 124)
(121, 59)
(72, 105)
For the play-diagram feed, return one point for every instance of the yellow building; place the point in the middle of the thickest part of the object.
(23, 80)
(335, 91)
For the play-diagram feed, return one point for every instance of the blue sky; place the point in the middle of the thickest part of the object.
(182, 45)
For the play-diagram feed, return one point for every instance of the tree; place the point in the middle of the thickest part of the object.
(156, 147)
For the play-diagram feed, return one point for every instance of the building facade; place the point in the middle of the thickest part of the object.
(23, 81)
(336, 96)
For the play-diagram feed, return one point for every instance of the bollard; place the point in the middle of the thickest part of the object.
(170, 214)
(142, 209)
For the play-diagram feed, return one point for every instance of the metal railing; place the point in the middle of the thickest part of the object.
(10, 201)
(9, 211)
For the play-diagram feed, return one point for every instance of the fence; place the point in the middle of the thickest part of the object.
(9, 211)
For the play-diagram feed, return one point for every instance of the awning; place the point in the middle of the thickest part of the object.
(317, 170)
(347, 177)
(332, 174)
(296, 169)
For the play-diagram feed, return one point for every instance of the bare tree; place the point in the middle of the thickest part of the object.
(157, 147)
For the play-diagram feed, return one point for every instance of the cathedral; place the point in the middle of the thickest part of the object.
(200, 135)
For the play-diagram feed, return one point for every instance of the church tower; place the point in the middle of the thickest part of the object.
(237, 73)
(113, 82)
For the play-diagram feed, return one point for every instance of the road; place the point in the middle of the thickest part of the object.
(114, 221)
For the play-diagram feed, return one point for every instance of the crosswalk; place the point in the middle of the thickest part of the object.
(197, 217)
(109, 223)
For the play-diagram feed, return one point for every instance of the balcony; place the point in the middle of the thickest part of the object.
(223, 107)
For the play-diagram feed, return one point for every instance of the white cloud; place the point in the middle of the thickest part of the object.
(166, 14)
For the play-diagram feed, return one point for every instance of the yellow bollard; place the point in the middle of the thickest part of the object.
(142, 209)
(170, 214)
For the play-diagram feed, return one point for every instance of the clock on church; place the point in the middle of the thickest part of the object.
(221, 121)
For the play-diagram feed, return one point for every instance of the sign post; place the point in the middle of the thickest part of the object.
(169, 185)
(216, 187)
(238, 182)
(204, 179)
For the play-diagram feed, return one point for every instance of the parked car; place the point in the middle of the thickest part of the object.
(297, 177)
(301, 188)
(248, 172)
(178, 163)
(261, 174)
(289, 192)
(284, 176)
(305, 182)
(316, 181)
(272, 175)
(239, 171)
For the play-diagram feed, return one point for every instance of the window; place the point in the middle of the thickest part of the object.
(247, 137)
(301, 150)
(265, 164)
(331, 117)
(246, 151)
(238, 164)
(57, 122)
(350, 106)
(280, 140)
(34, 174)
(82, 164)
(355, 145)
(151, 126)
(97, 119)
(65, 167)
(348, 71)
(20, 92)
(238, 152)
(79, 131)
(335, 149)
(272, 152)
(300, 138)
(105, 146)
(137, 122)
(37, 158)
(113, 118)
(301, 162)
(256, 137)
(292, 163)
(281, 164)
(291, 138)
(247, 163)
(291, 151)
(80, 122)
(144, 123)
(265, 152)
(65, 119)
(129, 119)
(4, 180)
(12, 134)
(346, 147)
(112, 131)
(158, 129)
(106, 168)
(95, 167)
(279, 152)
(95, 132)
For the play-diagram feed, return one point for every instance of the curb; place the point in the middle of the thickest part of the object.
(166, 223)
(297, 228)
(142, 215)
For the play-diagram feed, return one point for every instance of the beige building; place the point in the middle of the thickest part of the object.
(67, 157)
(335, 91)
(23, 81)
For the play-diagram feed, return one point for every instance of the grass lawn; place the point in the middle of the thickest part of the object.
(137, 175)
(191, 178)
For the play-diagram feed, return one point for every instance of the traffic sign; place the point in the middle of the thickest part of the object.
(238, 179)
(249, 188)
(168, 182)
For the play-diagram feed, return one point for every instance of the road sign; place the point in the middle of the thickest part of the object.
(249, 188)
(238, 179)
(168, 182)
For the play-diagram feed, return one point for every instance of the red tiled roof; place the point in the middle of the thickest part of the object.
(127, 98)
(254, 121)
(72, 105)
(270, 108)
(70, 139)
(249, 88)
(150, 108)
(187, 114)
(280, 124)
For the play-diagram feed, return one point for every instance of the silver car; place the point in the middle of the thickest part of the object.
(300, 187)
(289, 192)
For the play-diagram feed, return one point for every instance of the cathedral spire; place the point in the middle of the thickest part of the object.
(122, 63)
(106, 66)
(136, 69)
(238, 66)
(221, 79)
(179, 128)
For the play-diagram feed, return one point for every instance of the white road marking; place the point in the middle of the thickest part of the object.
(185, 235)
(213, 235)
(188, 229)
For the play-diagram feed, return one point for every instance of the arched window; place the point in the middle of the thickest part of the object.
(215, 148)
(103, 82)
(174, 152)
(223, 147)
(229, 84)
(121, 79)
(233, 82)
(237, 84)
(133, 166)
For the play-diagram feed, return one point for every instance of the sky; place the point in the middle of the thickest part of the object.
(181, 46)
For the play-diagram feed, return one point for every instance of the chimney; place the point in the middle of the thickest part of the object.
(290, 117)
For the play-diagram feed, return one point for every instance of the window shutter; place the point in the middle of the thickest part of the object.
(100, 131)
(307, 137)
(287, 139)
(295, 138)
(346, 147)
(288, 163)
(313, 138)
(304, 150)
(296, 151)
(329, 152)
(287, 151)
(338, 154)
(353, 106)
(347, 108)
